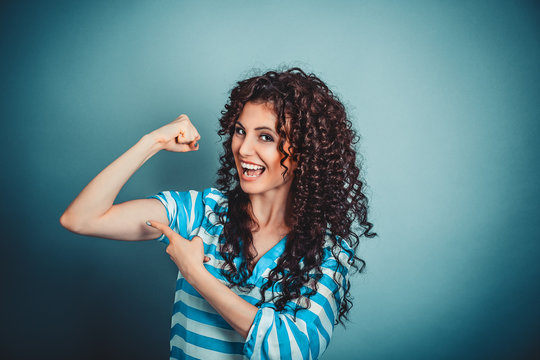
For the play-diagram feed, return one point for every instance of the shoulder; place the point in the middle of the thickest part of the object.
(207, 202)
(214, 198)
(192, 198)
(212, 203)
(331, 278)
(337, 254)
(213, 206)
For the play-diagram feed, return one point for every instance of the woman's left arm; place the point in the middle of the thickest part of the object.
(306, 334)
(188, 255)
(269, 334)
(235, 310)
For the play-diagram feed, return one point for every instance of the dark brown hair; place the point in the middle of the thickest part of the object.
(327, 194)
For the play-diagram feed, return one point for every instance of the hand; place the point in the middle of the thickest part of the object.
(179, 135)
(187, 255)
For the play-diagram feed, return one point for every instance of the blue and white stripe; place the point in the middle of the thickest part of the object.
(199, 332)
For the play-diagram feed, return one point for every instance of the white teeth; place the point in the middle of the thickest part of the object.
(251, 166)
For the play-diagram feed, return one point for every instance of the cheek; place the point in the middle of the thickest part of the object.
(234, 146)
(274, 162)
(271, 156)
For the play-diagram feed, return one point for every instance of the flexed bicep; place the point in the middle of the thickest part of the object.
(126, 221)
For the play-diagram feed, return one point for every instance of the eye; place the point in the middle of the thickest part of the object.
(267, 138)
(238, 130)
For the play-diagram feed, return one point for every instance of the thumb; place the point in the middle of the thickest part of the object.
(194, 145)
(198, 239)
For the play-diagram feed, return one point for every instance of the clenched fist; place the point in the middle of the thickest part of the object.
(179, 135)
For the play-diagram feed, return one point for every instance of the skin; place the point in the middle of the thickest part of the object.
(256, 141)
(93, 213)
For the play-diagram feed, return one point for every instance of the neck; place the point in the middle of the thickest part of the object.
(270, 209)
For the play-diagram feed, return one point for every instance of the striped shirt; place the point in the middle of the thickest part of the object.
(199, 332)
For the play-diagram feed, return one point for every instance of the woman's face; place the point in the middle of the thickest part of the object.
(255, 148)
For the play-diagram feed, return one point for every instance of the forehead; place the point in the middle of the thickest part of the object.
(258, 114)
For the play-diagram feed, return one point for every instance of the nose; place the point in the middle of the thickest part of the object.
(247, 147)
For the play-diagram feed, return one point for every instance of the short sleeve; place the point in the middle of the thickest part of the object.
(185, 211)
(280, 335)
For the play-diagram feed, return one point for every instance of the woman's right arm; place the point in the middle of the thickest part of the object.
(92, 212)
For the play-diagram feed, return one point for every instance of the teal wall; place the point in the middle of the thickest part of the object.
(444, 94)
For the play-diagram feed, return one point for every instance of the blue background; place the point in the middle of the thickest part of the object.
(444, 94)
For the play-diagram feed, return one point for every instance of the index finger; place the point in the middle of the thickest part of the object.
(165, 229)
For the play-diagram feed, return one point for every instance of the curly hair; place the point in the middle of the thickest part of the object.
(326, 192)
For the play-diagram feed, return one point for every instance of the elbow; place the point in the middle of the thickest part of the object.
(65, 221)
(70, 223)
(304, 344)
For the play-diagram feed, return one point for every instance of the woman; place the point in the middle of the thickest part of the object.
(265, 272)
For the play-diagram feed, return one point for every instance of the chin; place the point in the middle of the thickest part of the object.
(250, 188)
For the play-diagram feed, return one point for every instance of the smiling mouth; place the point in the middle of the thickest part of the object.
(252, 170)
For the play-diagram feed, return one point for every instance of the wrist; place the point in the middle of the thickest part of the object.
(151, 143)
(198, 276)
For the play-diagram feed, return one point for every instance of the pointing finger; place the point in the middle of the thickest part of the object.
(165, 229)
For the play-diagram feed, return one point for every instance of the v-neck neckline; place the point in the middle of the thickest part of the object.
(267, 260)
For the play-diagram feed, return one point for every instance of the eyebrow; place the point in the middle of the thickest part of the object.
(258, 128)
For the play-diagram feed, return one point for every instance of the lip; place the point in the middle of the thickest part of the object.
(250, 162)
(241, 172)
(246, 178)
